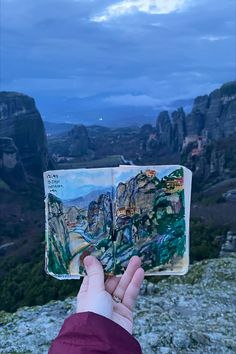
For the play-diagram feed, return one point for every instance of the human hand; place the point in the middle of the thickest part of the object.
(116, 297)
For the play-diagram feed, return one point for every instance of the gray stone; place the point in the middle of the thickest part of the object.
(181, 340)
(11, 164)
(21, 121)
(229, 246)
(194, 313)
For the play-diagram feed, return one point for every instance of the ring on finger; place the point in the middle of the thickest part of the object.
(116, 299)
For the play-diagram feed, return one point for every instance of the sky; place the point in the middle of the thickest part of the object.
(101, 61)
(77, 183)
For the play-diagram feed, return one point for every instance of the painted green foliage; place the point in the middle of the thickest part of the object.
(58, 252)
(156, 234)
(161, 234)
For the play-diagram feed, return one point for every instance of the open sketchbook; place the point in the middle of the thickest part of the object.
(115, 213)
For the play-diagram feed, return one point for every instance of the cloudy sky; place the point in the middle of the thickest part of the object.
(96, 59)
(78, 183)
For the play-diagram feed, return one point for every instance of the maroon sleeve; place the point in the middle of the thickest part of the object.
(89, 333)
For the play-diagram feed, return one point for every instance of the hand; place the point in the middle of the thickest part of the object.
(97, 296)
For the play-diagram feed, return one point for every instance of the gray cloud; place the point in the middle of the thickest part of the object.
(52, 48)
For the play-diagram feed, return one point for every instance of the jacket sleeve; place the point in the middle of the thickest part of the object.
(89, 333)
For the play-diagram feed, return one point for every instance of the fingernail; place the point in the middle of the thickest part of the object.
(88, 261)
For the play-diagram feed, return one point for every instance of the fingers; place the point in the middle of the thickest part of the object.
(126, 278)
(84, 286)
(111, 283)
(95, 274)
(133, 289)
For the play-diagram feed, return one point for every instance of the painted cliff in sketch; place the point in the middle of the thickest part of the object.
(115, 214)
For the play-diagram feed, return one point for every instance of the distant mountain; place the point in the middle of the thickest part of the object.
(57, 128)
(83, 202)
(177, 136)
(98, 110)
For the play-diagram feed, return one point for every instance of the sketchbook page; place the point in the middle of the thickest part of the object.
(188, 193)
(150, 215)
(78, 220)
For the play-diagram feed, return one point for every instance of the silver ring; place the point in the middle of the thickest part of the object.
(116, 299)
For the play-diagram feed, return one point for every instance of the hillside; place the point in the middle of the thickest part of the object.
(24, 155)
(194, 313)
(212, 118)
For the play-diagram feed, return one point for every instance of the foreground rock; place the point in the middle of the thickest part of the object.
(190, 314)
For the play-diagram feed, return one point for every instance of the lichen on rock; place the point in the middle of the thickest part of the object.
(194, 313)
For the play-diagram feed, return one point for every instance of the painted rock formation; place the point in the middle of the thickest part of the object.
(100, 215)
(59, 253)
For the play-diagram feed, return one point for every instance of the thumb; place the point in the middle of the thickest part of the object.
(95, 274)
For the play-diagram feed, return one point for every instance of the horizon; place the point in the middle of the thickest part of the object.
(98, 62)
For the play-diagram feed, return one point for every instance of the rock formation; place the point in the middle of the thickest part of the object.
(11, 164)
(136, 193)
(229, 247)
(164, 129)
(213, 115)
(100, 215)
(79, 141)
(58, 253)
(194, 313)
(21, 121)
(72, 214)
(178, 129)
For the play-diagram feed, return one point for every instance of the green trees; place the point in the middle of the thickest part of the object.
(203, 240)
(27, 284)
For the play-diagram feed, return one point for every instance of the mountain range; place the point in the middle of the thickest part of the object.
(83, 201)
(99, 110)
(203, 139)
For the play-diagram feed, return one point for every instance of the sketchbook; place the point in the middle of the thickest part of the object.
(114, 214)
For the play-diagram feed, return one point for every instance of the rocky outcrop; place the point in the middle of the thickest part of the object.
(58, 251)
(79, 141)
(138, 193)
(21, 121)
(72, 215)
(72, 146)
(229, 247)
(213, 116)
(215, 113)
(194, 313)
(100, 215)
(178, 129)
(164, 128)
(11, 164)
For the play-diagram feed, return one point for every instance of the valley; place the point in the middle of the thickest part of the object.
(204, 140)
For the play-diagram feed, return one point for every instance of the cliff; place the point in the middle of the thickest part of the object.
(194, 313)
(212, 115)
(21, 121)
(215, 113)
(59, 253)
(74, 144)
(11, 164)
(149, 219)
(213, 118)
(136, 193)
(100, 216)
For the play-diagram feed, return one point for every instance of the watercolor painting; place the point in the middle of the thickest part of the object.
(150, 217)
(79, 220)
(114, 214)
